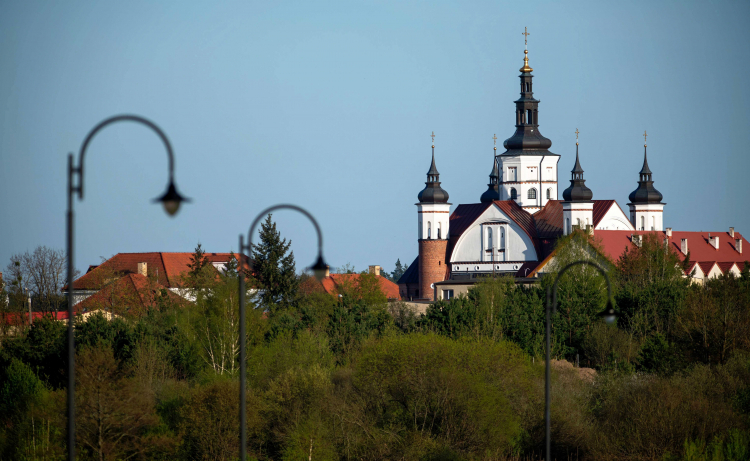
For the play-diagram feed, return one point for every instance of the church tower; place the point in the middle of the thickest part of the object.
(646, 208)
(578, 208)
(434, 215)
(493, 188)
(527, 168)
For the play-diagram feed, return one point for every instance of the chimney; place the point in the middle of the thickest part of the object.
(714, 241)
(731, 232)
(375, 270)
(143, 269)
(637, 240)
(683, 246)
(738, 245)
(669, 232)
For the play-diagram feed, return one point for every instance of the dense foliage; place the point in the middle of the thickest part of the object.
(354, 377)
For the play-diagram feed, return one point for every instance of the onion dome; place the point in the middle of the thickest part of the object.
(577, 191)
(527, 140)
(433, 193)
(646, 192)
(493, 188)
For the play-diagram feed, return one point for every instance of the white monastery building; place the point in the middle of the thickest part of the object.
(514, 227)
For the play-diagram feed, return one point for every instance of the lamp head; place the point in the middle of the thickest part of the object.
(171, 200)
(609, 314)
(320, 268)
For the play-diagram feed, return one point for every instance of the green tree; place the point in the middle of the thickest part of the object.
(201, 272)
(398, 271)
(274, 268)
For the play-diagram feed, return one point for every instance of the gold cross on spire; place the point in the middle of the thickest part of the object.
(645, 136)
(577, 136)
(525, 36)
(433, 138)
(494, 139)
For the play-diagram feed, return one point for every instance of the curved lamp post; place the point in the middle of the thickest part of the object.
(319, 270)
(608, 314)
(171, 201)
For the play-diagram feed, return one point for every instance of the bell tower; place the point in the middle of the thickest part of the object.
(527, 168)
(646, 208)
(433, 212)
(578, 208)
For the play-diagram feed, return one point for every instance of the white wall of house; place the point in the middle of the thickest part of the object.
(615, 219)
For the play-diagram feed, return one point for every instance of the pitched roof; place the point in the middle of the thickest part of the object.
(601, 207)
(133, 292)
(614, 243)
(332, 283)
(412, 273)
(166, 268)
(549, 220)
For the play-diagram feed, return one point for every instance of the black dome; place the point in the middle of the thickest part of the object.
(433, 193)
(646, 192)
(577, 191)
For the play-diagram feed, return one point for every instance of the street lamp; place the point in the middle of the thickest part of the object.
(608, 314)
(319, 271)
(171, 201)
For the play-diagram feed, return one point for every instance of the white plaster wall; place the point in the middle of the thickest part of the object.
(575, 211)
(615, 219)
(653, 214)
(470, 246)
(435, 214)
(527, 167)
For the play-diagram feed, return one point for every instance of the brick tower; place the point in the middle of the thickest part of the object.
(434, 216)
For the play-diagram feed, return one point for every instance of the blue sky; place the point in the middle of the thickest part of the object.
(329, 105)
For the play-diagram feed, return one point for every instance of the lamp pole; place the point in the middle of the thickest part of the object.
(609, 315)
(318, 268)
(171, 201)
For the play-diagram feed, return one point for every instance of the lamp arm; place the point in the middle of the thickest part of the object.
(109, 121)
(265, 212)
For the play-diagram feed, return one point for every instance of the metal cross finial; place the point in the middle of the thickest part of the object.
(433, 137)
(494, 139)
(577, 135)
(645, 136)
(526, 36)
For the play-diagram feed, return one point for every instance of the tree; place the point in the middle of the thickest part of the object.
(43, 272)
(274, 268)
(200, 274)
(398, 271)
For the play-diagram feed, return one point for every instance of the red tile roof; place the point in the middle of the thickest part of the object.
(549, 220)
(167, 269)
(614, 243)
(133, 293)
(332, 283)
(601, 207)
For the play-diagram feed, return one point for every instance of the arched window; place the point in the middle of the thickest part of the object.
(429, 230)
(567, 224)
(579, 223)
(502, 238)
(643, 223)
(532, 193)
(529, 118)
(439, 227)
(653, 222)
(549, 193)
(489, 238)
(513, 194)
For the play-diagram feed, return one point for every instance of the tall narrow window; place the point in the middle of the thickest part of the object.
(549, 194)
(502, 238)
(513, 195)
(529, 118)
(532, 194)
(429, 230)
(653, 222)
(567, 224)
(489, 239)
(643, 223)
(439, 228)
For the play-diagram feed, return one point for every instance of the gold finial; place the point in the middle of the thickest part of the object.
(433, 139)
(576, 136)
(525, 67)
(645, 136)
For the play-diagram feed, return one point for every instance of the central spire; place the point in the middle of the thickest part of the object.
(527, 139)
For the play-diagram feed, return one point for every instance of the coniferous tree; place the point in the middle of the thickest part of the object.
(274, 268)
(198, 276)
(398, 271)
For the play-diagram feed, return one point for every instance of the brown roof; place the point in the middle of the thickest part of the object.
(167, 269)
(332, 283)
(132, 293)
